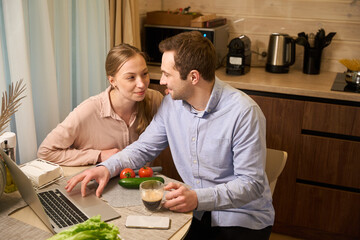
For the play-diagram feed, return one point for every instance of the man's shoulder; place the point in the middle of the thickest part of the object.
(170, 105)
(236, 100)
(235, 96)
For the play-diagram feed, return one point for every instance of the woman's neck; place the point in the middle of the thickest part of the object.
(122, 107)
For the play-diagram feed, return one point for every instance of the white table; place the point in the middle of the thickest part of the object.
(26, 215)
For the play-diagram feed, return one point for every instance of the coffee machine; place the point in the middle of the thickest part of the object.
(239, 56)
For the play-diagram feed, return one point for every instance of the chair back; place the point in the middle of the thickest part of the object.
(275, 163)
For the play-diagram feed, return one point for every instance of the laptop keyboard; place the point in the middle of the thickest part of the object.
(63, 212)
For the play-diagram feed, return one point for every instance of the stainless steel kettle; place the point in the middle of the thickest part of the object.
(281, 53)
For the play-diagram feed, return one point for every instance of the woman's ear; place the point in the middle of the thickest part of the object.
(111, 80)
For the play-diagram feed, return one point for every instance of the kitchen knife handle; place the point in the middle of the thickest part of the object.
(155, 169)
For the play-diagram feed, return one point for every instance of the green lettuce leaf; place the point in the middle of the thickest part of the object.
(93, 228)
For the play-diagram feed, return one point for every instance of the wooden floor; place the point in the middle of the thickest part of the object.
(276, 236)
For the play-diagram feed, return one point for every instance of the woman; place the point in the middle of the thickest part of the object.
(106, 123)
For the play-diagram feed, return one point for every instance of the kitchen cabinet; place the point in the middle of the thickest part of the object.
(318, 194)
(283, 129)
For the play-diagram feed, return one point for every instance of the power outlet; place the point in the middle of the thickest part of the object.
(262, 54)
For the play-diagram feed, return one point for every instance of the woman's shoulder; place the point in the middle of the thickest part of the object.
(154, 96)
(90, 105)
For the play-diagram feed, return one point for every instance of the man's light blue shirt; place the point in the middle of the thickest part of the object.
(219, 152)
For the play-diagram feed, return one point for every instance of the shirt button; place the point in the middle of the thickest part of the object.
(193, 139)
(197, 181)
(195, 161)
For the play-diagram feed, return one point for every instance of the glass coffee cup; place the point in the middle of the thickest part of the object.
(152, 192)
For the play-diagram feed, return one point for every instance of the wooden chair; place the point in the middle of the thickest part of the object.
(275, 163)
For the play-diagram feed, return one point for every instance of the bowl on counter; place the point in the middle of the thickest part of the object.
(353, 78)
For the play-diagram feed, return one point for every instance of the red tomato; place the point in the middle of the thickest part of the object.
(145, 172)
(127, 173)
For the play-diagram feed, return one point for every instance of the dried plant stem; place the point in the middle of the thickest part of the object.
(351, 64)
(10, 103)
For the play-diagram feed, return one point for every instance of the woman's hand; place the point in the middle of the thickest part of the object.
(105, 154)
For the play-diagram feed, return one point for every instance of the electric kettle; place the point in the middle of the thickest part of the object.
(281, 53)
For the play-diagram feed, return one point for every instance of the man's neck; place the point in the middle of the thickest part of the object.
(201, 95)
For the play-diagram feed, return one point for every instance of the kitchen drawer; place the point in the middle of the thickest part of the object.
(331, 118)
(331, 161)
(331, 211)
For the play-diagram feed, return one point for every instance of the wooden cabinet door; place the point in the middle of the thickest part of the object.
(332, 118)
(328, 189)
(331, 161)
(283, 132)
(316, 196)
(328, 213)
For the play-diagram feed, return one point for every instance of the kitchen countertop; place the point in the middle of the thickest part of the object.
(294, 83)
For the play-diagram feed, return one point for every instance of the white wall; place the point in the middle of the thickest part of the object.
(260, 18)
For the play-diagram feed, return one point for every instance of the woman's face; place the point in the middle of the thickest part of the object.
(132, 80)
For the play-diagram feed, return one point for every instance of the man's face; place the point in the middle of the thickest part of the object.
(178, 89)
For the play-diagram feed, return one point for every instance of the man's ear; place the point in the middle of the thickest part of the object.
(194, 76)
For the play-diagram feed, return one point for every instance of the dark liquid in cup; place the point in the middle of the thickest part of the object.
(152, 200)
(152, 205)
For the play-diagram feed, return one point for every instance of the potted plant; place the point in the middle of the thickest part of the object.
(9, 105)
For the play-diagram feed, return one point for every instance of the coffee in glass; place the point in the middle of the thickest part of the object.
(152, 192)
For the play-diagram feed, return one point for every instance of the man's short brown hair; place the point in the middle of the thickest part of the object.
(192, 52)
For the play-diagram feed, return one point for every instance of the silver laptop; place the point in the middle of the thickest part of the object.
(81, 208)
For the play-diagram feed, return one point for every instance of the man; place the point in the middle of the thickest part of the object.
(217, 139)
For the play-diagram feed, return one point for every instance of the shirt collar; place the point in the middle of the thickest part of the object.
(106, 109)
(215, 96)
(213, 100)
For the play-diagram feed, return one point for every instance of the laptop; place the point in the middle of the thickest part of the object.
(81, 208)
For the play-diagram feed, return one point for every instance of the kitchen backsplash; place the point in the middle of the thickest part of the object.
(257, 19)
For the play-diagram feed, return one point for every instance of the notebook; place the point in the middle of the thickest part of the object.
(87, 206)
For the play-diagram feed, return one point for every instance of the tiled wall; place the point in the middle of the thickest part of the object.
(257, 19)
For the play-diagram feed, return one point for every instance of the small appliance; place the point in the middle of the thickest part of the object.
(154, 34)
(239, 56)
(281, 53)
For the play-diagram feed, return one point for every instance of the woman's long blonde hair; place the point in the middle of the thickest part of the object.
(115, 59)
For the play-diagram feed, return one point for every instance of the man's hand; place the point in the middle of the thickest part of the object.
(180, 199)
(105, 154)
(101, 175)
